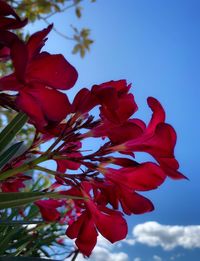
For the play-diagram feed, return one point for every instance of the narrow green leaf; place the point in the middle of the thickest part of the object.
(9, 153)
(10, 131)
(6, 239)
(16, 199)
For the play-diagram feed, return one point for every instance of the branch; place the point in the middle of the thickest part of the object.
(62, 10)
(55, 30)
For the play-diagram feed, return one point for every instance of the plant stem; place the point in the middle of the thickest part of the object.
(27, 166)
(52, 172)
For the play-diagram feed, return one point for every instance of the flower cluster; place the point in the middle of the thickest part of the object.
(106, 181)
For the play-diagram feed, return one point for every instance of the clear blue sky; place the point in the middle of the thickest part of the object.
(155, 45)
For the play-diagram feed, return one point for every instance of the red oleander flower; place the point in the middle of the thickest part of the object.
(48, 208)
(106, 188)
(9, 18)
(113, 194)
(118, 108)
(14, 184)
(103, 183)
(95, 218)
(145, 176)
(72, 157)
(37, 77)
(84, 101)
(121, 186)
(157, 139)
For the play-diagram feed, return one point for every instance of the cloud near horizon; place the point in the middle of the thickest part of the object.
(166, 236)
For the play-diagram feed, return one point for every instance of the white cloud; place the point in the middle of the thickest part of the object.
(129, 241)
(101, 253)
(157, 258)
(137, 259)
(104, 251)
(167, 236)
(179, 255)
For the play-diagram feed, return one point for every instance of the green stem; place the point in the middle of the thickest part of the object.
(27, 166)
(56, 173)
(52, 172)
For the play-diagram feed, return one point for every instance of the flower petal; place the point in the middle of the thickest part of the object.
(63, 165)
(37, 41)
(133, 203)
(54, 104)
(48, 209)
(112, 226)
(29, 105)
(145, 176)
(87, 237)
(158, 115)
(52, 70)
(84, 230)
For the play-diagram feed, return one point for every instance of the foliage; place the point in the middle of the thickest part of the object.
(44, 9)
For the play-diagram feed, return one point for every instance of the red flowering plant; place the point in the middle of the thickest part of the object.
(90, 191)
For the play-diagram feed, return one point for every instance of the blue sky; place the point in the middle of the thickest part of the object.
(155, 45)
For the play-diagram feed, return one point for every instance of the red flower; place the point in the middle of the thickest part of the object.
(121, 106)
(14, 184)
(84, 101)
(131, 202)
(145, 176)
(48, 208)
(72, 157)
(158, 139)
(9, 18)
(108, 222)
(4, 54)
(37, 77)
(122, 183)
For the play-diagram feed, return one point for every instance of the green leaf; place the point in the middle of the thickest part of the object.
(5, 239)
(9, 153)
(10, 131)
(78, 11)
(76, 48)
(16, 199)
